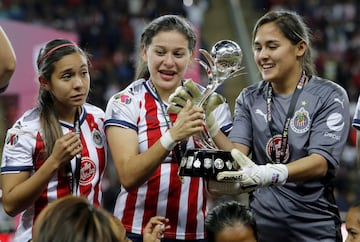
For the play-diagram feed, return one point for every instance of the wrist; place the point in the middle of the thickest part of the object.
(277, 174)
(167, 141)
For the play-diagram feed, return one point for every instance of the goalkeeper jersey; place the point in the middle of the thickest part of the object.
(138, 108)
(301, 211)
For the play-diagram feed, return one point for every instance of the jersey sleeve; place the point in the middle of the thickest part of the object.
(330, 126)
(122, 110)
(242, 127)
(223, 117)
(18, 150)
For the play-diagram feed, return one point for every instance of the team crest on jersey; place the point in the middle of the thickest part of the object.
(123, 98)
(276, 141)
(300, 123)
(12, 139)
(87, 172)
(97, 138)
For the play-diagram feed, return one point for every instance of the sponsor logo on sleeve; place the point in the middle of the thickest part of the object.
(335, 122)
(123, 98)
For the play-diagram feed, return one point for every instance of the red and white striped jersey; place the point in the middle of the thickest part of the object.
(24, 151)
(138, 107)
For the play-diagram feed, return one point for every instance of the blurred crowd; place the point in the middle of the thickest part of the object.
(109, 29)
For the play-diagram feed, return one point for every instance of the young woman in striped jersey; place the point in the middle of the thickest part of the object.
(143, 138)
(58, 147)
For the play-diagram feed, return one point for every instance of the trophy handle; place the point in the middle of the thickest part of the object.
(207, 57)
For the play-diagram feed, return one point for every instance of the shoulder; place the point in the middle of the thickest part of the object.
(30, 119)
(253, 91)
(136, 87)
(92, 109)
(325, 88)
(133, 90)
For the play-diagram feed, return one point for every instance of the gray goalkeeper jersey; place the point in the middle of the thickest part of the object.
(301, 211)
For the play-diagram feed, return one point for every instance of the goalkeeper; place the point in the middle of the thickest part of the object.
(294, 125)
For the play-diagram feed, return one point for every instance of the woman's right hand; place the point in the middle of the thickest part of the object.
(66, 148)
(189, 121)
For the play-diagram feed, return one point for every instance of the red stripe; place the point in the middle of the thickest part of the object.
(129, 210)
(191, 224)
(85, 190)
(153, 134)
(63, 188)
(173, 201)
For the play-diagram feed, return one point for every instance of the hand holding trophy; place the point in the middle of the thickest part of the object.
(207, 161)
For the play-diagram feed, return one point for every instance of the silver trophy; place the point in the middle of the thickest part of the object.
(223, 63)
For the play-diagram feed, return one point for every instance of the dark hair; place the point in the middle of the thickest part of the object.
(164, 23)
(294, 29)
(73, 218)
(52, 52)
(228, 214)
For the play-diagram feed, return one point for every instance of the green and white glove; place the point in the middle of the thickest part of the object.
(191, 91)
(251, 176)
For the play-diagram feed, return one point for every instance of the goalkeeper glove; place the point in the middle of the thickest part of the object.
(190, 91)
(251, 176)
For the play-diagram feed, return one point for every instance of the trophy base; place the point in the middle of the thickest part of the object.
(206, 163)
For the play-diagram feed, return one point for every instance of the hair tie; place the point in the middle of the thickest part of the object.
(54, 49)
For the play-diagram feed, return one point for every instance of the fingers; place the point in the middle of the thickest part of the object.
(213, 102)
(189, 121)
(229, 176)
(241, 159)
(192, 89)
(182, 94)
(156, 226)
(173, 108)
(68, 145)
(178, 100)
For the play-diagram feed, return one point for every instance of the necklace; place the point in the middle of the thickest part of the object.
(180, 147)
(289, 115)
(74, 178)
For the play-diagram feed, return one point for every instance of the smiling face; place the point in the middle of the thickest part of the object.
(278, 60)
(168, 58)
(70, 82)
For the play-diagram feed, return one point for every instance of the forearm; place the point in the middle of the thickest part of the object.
(311, 167)
(135, 170)
(21, 190)
(223, 142)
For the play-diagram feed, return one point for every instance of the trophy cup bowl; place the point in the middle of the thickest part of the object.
(207, 161)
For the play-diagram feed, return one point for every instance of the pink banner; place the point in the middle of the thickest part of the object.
(27, 39)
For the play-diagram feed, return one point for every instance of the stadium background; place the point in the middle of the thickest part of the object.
(109, 31)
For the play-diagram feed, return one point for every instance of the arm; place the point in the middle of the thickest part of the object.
(7, 60)
(135, 168)
(21, 190)
(307, 168)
